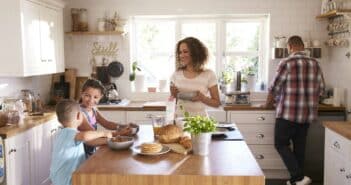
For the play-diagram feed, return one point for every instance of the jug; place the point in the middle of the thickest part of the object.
(27, 97)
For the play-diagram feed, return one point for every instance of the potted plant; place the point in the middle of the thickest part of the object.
(135, 67)
(138, 78)
(226, 80)
(250, 77)
(200, 128)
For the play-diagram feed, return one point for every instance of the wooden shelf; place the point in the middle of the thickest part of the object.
(96, 33)
(333, 13)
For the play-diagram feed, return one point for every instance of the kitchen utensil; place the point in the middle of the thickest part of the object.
(102, 74)
(115, 69)
(186, 95)
(120, 142)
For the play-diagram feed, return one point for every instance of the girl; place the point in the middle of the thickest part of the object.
(91, 94)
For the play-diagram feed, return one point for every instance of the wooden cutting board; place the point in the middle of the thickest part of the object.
(178, 148)
(79, 84)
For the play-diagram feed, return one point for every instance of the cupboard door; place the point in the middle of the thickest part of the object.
(142, 117)
(48, 38)
(115, 116)
(19, 160)
(43, 137)
(31, 34)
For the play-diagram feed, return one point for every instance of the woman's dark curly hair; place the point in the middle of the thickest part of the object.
(198, 53)
(92, 83)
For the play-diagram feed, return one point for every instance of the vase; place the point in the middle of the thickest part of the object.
(201, 143)
(139, 83)
(251, 82)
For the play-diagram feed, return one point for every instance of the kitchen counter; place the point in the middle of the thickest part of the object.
(161, 106)
(28, 122)
(229, 162)
(341, 127)
(321, 108)
(136, 106)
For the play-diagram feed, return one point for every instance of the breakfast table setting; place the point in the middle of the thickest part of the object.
(166, 158)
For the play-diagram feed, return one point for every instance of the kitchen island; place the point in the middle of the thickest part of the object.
(229, 162)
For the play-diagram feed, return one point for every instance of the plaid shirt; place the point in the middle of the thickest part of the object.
(298, 84)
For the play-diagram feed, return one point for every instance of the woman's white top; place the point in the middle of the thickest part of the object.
(202, 83)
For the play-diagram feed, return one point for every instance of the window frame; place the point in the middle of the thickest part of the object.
(220, 24)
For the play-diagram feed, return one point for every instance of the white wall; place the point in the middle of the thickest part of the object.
(287, 18)
(38, 84)
(338, 72)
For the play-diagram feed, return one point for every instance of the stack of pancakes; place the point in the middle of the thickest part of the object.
(151, 148)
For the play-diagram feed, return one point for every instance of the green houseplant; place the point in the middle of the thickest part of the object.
(200, 128)
(135, 67)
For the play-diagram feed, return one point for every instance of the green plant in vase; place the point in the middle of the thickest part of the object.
(135, 67)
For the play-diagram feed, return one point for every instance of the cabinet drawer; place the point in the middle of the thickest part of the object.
(338, 143)
(257, 133)
(267, 156)
(141, 117)
(252, 117)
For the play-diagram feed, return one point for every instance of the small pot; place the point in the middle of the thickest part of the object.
(115, 69)
(201, 143)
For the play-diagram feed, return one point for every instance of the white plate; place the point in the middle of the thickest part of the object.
(137, 149)
(220, 130)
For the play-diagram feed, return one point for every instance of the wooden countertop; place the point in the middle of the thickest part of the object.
(341, 127)
(136, 106)
(28, 122)
(254, 107)
(161, 106)
(229, 162)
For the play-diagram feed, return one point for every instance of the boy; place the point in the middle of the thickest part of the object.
(68, 151)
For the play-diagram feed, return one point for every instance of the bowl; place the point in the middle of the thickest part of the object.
(120, 142)
(186, 95)
(135, 128)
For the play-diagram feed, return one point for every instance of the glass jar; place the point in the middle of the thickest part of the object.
(101, 25)
(28, 100)
(75, 19)
(83, 19)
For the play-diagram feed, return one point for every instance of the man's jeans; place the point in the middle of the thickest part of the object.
(285, 132)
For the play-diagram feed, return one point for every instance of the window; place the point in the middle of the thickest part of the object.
(236, 43)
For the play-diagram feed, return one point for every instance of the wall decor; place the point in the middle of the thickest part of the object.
(106, 50)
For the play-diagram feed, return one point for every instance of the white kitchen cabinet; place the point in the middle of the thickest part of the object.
(19, 161)
(257, 128)
(142, 117)
(28, 155)
(32, 40)
(337, 159)
(43, 136)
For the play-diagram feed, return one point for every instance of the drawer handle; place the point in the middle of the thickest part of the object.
(336, 145)
(260, 156)
(12, 150)
(53, 130)
(348, 176)
(260, 136)
(342, 169)
(261, 118)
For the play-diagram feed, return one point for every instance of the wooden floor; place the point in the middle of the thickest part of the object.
(283, 182)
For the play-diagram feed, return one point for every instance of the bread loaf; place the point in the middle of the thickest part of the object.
(170, 134)
(185, 142)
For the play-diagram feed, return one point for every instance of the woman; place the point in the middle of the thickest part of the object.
(191, 78)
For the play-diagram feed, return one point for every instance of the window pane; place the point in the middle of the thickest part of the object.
(158, 67)
(206, 33)
(242, 63)
(242, 36)
(155, 43)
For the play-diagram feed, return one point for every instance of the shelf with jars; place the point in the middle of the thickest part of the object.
(95, 33)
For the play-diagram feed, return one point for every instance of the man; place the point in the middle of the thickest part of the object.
(296, 86)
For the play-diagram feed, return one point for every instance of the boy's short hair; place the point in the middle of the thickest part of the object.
(67, 111)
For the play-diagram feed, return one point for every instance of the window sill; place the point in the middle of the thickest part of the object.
(149, 96)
